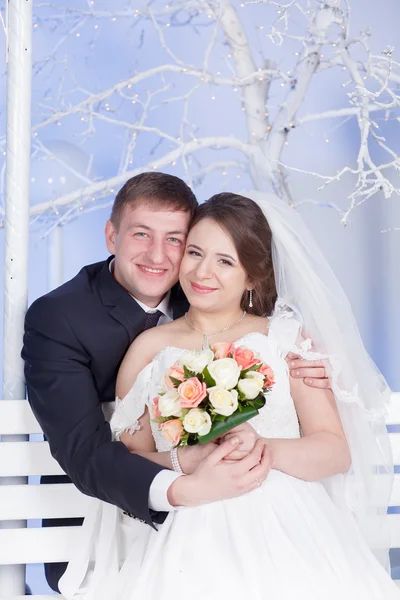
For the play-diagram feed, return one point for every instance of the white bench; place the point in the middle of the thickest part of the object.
(21, 502)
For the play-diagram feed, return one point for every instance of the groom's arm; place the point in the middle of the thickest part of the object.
(64, 399)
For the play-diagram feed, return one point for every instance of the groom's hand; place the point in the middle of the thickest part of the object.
(217, 479)
(312, 372)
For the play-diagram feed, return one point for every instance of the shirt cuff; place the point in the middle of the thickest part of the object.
(158, 499)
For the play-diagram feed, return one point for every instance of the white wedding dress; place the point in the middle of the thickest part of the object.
(285, 540)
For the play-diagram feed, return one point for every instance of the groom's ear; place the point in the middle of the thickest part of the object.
(110, 233)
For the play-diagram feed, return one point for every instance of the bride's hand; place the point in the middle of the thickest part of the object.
(247, 440)
(191, 456)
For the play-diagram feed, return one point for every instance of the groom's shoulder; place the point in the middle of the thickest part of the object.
(75, 293)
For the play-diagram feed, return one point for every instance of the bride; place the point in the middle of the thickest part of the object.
(316, 527)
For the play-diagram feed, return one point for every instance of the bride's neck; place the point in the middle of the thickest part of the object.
(208, 322)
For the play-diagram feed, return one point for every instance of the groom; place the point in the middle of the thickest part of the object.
(76, 337)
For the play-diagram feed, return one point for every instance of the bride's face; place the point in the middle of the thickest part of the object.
(211, 275)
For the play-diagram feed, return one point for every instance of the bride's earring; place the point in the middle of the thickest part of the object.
(251, 299)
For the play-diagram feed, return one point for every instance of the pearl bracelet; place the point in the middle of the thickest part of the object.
(176, 465)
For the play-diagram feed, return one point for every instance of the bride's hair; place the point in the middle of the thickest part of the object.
(244, 221)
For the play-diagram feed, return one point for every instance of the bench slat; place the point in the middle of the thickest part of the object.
(50, 501)
(53, 501)
(37, 545)
(395, 497)
(394, 410)
(16, 417)
(27, 458)
(56, 544)
(395, 442)
(34, 597)
(394, 524)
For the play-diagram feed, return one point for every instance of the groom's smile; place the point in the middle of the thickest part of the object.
(152, 271)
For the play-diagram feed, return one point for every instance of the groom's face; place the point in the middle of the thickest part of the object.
(148, 247)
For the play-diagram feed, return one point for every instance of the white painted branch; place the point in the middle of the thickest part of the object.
(103, 188)
(334, 114)
(94, 99)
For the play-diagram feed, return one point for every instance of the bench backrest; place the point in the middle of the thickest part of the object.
(33, 458)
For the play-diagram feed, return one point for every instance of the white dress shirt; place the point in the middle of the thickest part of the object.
(158, 499)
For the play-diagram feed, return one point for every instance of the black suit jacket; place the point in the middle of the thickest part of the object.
(75, 339)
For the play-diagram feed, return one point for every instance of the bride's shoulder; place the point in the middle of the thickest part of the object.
(148, 344)
(152, 341)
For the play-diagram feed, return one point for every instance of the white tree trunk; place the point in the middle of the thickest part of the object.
(12, 578)
(55, 258)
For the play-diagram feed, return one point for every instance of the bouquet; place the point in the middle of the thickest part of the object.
(208, 392)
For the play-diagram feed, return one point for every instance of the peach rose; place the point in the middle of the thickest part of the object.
(245, 357)
(177, 373)
(222, 350)
(172, 430)
(192, 392)
(154, 409)
(268, 374)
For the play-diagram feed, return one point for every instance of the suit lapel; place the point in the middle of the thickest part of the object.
(122, 307)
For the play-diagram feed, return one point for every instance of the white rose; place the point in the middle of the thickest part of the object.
(197, 421)
(225, 402)
(225, 372)
(196, 360)
(169, 404)
(251, 385)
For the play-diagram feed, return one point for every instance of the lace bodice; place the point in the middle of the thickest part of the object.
(278, 418)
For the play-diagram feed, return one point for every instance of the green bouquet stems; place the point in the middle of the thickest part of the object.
(221, 427)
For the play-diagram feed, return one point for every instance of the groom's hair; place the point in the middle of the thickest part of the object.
(245, 223)
(156, 190)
